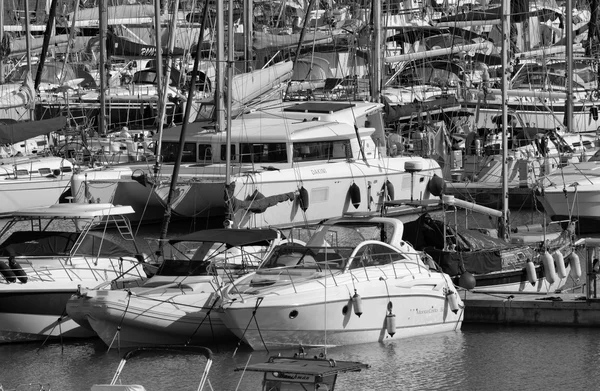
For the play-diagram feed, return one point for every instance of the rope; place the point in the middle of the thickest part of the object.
(120, 324)
(258, 302)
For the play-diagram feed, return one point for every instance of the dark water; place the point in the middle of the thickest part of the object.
(479, 357)
(476, 358)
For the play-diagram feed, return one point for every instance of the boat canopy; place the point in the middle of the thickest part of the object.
(58, 243)
(230, 236)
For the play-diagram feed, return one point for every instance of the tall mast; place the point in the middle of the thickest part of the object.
(220, 42)
(376, 60)
(28, 48)
(103, 27)
(162, 107)
(568, 118)
(248, 19)
(47, 34)
(230, 65)
(184, 126)
(504, 225)
(157, 12)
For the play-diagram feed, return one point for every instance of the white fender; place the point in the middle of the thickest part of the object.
(573, 259)
(549, 269)
(531, 274)
(559, 262)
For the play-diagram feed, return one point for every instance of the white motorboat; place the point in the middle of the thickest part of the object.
(355, 281)
(48, 254)
(175, 306)
(294, 163)
(573, 193)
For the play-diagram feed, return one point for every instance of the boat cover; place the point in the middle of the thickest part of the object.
(476, 252)
(58, 243)
(21, 131)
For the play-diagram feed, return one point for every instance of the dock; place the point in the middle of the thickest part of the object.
(553, 309)
(573, 307)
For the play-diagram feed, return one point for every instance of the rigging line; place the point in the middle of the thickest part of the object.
(62, 316)
(189, 340)
(117, 334)
(258, 302)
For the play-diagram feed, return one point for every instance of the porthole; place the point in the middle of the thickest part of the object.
(293, 314)
(345, 310)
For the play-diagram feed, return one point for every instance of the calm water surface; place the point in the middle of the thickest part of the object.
(478, 357)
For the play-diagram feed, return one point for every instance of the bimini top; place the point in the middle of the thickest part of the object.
(70, 211)
(230, 236)
(305, 366)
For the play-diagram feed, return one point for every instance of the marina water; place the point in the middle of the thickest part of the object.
(478, 357)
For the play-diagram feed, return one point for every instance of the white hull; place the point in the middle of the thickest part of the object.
(25, 327)
(325, 324)
(172, 315)
(31, 193)
(327, 185)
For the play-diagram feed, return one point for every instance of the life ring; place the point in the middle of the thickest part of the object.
(595, 95)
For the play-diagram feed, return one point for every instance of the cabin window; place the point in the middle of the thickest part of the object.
(375, 255)
(206, 111)
(44, 171)
(322, 150)
(66, 169)
(205, 152)
(171, 149)
(22, 172)
(224, 152)
(263, 153)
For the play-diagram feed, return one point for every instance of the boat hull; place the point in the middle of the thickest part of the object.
(37, 314)
(198, 194)
(582, 204)
(122, 320)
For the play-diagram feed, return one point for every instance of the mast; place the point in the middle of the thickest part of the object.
(503, 226)
(376, 60)
(248, 19)
(157, 12)
(568, 118)
(220, 40)
(28, 48)
(69, 41)
(162, 106)
(230, 65)
(184, 126)
(47, 34)
(103, 27)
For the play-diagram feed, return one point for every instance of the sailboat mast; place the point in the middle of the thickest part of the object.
(376, 54)
(164, 86)
(103, 27)
(47, 34)
(248, 19)
(220, 82)
(184, 126)
(503, 230)
(228, 103)
(157, 8)
(568, 118)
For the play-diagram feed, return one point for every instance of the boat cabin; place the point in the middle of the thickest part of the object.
(299, 373)
(304, 132)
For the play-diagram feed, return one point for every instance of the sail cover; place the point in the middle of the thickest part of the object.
(21, 131)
